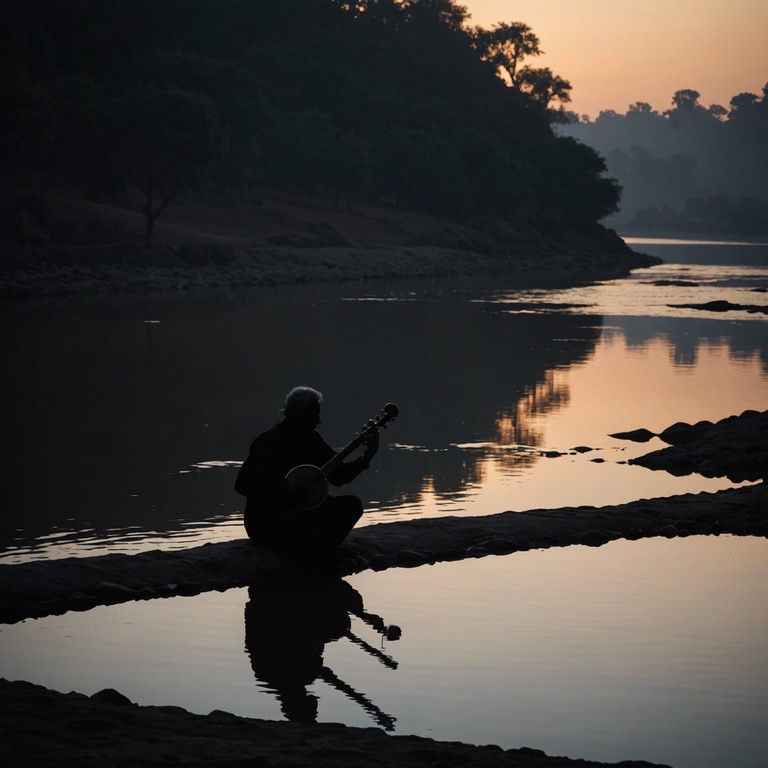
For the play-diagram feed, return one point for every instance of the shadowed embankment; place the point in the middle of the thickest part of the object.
(57, 243)
(56, 586)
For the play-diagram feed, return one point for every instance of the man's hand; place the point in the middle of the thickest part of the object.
(371, 443)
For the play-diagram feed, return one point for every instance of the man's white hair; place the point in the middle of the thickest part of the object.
(300, 398)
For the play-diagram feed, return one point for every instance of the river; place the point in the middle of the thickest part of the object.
(124, 421)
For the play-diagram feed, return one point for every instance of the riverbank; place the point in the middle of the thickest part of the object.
(42, 727)
(57, 243)
(45, 587)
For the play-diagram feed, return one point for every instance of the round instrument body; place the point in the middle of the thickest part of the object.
(315, 481)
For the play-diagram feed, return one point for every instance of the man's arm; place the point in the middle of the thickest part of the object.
(347, 471)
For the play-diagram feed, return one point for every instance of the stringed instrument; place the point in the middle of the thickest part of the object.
(316, 478)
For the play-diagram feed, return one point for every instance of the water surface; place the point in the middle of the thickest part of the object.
(124, 419)
(648, 650)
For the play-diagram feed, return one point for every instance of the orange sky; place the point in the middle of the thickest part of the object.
(616, 52)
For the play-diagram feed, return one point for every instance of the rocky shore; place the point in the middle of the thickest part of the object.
(735, 447)
(40, 727)
(47, 587)
(57, 243)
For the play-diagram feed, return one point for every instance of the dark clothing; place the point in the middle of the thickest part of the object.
(270, 514)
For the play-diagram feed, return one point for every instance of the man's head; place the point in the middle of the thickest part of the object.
(302, 406)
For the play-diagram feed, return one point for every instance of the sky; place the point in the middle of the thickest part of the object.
(617, 52)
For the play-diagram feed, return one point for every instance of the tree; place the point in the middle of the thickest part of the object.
(743, 101)
(445, 12)
(506, 45)
(577, 192)
(157, 139)
(544, 86)
(310, 152)
(686, 99)
(641, 108)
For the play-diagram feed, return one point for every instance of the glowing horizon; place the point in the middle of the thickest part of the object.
(615, 54)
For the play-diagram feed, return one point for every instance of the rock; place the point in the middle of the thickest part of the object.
(108, 591)
(409, 558)
(679, 432)
(54, 607)
(379, 563)
(636, 435)
(110, 696)
(736, 447)
(582, 449)
(593, 538)
(78, 601)
(723, 306)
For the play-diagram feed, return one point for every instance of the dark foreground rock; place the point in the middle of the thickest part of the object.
(40, 727)
(56, 586)
(735, 447)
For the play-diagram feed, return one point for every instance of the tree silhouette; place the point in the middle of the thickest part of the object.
(686, 99)
(383, 100)
(544, 86)
(506, 45)
(156, 139)
(713, 156)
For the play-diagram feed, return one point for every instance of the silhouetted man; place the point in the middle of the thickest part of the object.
(275, 510)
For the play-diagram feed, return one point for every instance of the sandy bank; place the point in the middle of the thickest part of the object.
(57, 243)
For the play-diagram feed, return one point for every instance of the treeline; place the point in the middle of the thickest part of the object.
(398, 101)
(688, 165)
(705, 215)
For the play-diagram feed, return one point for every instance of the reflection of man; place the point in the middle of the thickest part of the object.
(286, 629)
(274, 513)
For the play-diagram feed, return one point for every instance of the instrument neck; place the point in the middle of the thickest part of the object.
(331, 464)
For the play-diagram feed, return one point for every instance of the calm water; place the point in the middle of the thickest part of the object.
(652, 650)
(124, 420)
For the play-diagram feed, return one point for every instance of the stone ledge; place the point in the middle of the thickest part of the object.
(55, 586)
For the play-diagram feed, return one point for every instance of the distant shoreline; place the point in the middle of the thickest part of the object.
(56, 243)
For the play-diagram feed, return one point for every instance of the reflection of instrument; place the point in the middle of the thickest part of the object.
(315, 479)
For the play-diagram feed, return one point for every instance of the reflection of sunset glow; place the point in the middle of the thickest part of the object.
(630, 381)
(516, 428)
